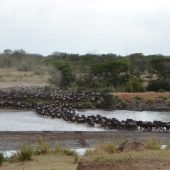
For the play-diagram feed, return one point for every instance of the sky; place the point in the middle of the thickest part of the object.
(86, 26)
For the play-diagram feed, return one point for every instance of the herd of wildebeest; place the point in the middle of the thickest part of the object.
(57, 103)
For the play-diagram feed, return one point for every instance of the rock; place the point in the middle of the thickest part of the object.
(129, 145)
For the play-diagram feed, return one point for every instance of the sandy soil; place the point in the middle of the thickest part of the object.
(43, 162)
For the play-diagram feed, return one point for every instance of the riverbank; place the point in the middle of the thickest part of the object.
(145, 101)
(14, 140)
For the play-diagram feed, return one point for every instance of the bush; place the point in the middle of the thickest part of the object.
(152, 144)
(159, 85)
(25, 153)
(137, 98)
(106, 90)
(168, 101)
(1, 158)
(134, 85)
(108, 101)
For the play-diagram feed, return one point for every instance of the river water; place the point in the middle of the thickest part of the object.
(30, 121)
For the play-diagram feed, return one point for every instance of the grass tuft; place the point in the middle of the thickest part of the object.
(24, 154)
(42, 147)
(152, 144)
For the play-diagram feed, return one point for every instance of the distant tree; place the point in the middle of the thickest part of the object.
(137, 63)
(161, 67)
(8, 51)
(111, 73)
(66, 74)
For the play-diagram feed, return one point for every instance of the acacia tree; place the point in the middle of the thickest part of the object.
(66, 74)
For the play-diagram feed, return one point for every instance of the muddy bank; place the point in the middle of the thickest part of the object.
(13, 140)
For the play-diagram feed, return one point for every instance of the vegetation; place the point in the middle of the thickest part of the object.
(42, 147)
(1, 158)
(24, 154)
(102, 72)
(152, 144)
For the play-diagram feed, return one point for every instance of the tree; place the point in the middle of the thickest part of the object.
(161, 66)
(66, 74)
(8, 51)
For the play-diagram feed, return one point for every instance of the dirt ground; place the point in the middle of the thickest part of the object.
(144, 95)
(145, 160)
(43, 162)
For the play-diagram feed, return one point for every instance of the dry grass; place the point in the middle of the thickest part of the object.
(12, 78)
(145, 95)
(43, 162)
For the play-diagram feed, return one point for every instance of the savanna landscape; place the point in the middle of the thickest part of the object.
(84, 85)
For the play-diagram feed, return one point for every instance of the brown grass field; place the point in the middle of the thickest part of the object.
(15, 78)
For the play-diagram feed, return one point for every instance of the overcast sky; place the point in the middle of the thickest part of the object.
(83, 26)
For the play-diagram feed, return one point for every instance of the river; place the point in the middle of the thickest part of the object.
(30, 121)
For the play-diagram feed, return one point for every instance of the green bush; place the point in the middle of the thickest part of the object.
(106, 90)
(137, 98)
(159, 85)
(107, 101)
(134, 85)
(1, 158)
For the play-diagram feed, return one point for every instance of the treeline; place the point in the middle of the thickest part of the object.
(104, 72)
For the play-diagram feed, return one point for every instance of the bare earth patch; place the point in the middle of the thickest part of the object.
(144, 95)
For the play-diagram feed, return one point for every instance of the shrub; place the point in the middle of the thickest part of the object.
(159, 85)
(137, 98)
(58, 149)
(106, 90)
(168, 101)
(108, 101)
(69, 152)
(42, 147)
(152, 144)
(107, 148)
(134, 85)
(25, 153)
(1, 158)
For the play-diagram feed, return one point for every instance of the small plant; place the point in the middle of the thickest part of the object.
(107, 148)
(168, 101)
(42, 147)
(161, 90)
(76, 158)
(137, 98)
(58, 149)
(25, 153)
(152, 144)
(1, 158)
(69, 152)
